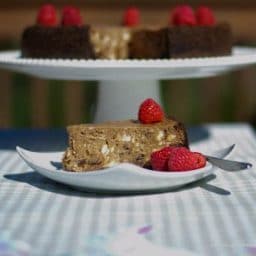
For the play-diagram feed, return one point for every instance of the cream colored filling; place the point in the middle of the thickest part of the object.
(110, 43)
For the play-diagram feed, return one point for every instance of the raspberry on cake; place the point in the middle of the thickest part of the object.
(202, 37)
(205, 16)
(131, 17)
(183, 15)
(71, 40)
(150, 112)
(47, 16)
(71, 16)
(189, 34)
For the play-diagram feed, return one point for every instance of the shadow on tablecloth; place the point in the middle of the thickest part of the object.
(197, 134)
(34, 139)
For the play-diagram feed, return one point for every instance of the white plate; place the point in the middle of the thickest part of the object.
(121, 178)
(127, 69)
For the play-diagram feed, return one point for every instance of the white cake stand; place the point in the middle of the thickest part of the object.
(120, 99)
(123, 84)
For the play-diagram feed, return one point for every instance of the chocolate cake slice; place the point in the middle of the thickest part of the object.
(199, 41)
(148, 44)
(97, 146)
(182, 42)
(66, 42)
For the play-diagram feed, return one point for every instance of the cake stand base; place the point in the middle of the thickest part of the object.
(119, 100)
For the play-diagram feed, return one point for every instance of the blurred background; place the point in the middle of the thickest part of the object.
(31, 102)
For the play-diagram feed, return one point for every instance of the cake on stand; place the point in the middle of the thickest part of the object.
(123, 84)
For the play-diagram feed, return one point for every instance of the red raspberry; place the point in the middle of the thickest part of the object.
(181, 159)
(71, 16)
(131, 17)
(159, 159)
(201, 160)
(205, 16)
(183, 15)
(47, 16)
(150, 112)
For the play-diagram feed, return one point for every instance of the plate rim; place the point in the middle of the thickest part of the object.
(154, 182)
(100, 172)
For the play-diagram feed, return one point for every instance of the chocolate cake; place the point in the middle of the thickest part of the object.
(98, 146)
(66, 42)
(188, 34)
(148, 44)
(199, 41)
(182, 42)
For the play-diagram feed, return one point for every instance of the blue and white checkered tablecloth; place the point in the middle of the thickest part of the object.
(216, 216)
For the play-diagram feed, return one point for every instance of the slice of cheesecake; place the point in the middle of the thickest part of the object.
(98, 146)
(110, 42)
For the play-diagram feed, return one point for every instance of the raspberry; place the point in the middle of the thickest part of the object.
(71, 16)
(181, 159)
(150, 112)
(201, 160)
(183, 15)
(205, 16)
(131, 17)
(47, 16)
(159, 159)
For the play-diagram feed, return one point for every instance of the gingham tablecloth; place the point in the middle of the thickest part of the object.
(216, 216)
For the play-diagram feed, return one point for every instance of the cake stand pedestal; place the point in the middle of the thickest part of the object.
(119, 100)
(124, 84)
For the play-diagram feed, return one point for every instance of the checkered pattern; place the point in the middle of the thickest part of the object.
(215, 216)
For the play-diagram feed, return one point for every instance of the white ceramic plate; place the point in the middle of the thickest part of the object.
(127, 69)
(123, 178)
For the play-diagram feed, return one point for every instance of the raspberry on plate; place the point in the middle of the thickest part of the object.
(47, 16)
(159, 159)
(182, 159)
(131, 17)
(71, 16)
(183, 15)
(205, 16)
(150, 112)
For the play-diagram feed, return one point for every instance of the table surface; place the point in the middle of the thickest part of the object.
(215, 216)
